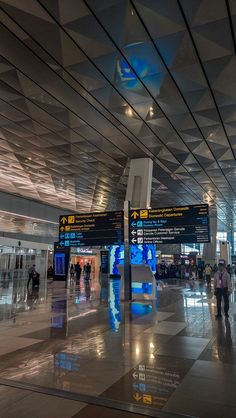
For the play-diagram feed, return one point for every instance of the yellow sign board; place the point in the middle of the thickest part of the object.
(144, 214)
(147, 399)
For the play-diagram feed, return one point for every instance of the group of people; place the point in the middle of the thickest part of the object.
(187, 272)
(76, 271)
(178, 271)
(222, 279)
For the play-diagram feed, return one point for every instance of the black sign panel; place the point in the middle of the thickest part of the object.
(182, 224)
(105, 262)
(91, 229)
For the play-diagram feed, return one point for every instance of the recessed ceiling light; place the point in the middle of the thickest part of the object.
(129, 112)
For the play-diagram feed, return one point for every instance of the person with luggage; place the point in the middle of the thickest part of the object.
(34, 276)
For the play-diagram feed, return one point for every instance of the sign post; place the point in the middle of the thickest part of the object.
(127, 266)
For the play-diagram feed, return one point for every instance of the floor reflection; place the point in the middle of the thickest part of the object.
(84, 339)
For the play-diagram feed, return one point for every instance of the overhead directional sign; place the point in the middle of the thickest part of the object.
(182, 224)
(91, 229)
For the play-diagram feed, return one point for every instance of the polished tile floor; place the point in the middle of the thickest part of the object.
(170, 355)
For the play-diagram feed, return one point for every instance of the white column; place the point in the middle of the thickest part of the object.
(140, 183)
(209, 249)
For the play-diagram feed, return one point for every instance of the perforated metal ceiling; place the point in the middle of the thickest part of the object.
(87, 85)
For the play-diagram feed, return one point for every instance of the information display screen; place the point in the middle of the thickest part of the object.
(59, 268)
(91, 229)
(182, 224)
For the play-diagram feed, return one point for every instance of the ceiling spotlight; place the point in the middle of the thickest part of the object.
(132, 12)
(129, 112)
(29, 158)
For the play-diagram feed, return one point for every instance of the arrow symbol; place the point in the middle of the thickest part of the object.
(62, 228)
(133, 224)
(63, 220)
(133, 232)
(137, 396)
(61, 243)
(133, 240)
(135, 375)
(135, 215)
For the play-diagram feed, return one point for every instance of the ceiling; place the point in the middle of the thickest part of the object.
(87, 85)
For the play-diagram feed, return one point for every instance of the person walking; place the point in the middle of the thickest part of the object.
(223, 288)
(229, 270)
(200, 272)
(31, 273)
(208, 272)
(78, 271)
(72, 271)
(87, 271)
(34, 276)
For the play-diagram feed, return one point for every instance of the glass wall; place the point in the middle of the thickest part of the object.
(16, 261)
(189, 248)
(14, 265)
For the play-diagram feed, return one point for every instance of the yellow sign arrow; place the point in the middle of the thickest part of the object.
(135, 214)
(63, 220)
(62, 228)
(137, 397)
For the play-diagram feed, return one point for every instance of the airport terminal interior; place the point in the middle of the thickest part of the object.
(117, 208)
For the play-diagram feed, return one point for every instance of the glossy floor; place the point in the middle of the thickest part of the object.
(170, 355)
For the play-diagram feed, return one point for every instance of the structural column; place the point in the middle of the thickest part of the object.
(139, 185)
(209, 249)
(230, 238)
(138, 196)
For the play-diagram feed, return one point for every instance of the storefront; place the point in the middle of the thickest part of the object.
(87, 255)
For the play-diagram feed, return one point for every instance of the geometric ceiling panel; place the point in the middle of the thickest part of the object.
(81, 94)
